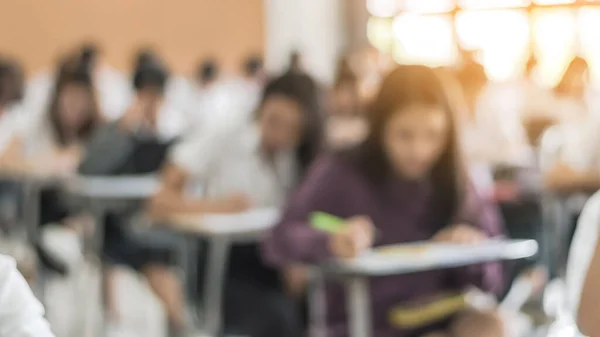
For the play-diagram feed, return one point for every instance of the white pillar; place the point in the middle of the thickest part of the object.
(315, 28)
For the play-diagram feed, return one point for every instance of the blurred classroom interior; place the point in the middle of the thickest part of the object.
(300, 168)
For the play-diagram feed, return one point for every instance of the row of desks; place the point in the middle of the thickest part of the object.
(222, 231)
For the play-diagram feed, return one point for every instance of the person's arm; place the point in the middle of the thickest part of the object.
(327, 188)
(172, 199)
(562, 178)
(108, 150)
(192, 158)
(21, 314)
(589, 305)
(484, 215)
(11, 159)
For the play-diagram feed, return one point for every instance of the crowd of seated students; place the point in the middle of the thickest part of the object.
(393, 165)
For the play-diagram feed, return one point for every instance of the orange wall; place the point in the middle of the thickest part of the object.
(183, 31)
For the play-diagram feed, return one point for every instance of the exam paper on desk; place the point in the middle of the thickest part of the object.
(250, 221)
(422, 256)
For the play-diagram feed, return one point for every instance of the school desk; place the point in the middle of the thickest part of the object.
(395, 260)
(221, 231)
(102, 194)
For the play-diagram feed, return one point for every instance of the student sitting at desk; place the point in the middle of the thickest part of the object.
(406, 179)
(255, 165)
(131, 146)
(51, 145)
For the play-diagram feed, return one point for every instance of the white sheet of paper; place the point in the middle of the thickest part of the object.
(250, 221)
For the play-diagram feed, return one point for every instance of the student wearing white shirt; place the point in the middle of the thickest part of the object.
(345, 122)
(576, 168)
(52, 145)
(21, 314)
(255, 165)
(132, 145)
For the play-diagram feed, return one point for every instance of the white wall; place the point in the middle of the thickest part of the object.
(315, 28)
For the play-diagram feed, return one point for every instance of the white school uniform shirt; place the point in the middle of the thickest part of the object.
(496, 135)
(228, 103)
(230, 161)
(21, 314)
(12, 122)
(581, 252)
(36, 135)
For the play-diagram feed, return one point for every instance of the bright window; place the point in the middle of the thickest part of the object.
(433, 45)
(383, 8)
(501, 38)
(553, 2)
(554, 42)
(429, 6)
(484, 4)
(380, 33)
(589, 35)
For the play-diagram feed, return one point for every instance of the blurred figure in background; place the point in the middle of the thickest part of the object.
(52, 145)
(295, 64)
(534, 104)
(345, 120)
(492, 128)
(11, 94)
(254, 71)
(206, 97)
(251, 165)
(132, 145)
(576, 164)
(111, 85)
(408, 169)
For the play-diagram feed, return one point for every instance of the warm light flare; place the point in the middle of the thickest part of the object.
(554, 43)
(501, 37)
(424, 39)
(383, 8)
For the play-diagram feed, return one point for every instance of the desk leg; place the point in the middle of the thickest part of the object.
(317, 304)
(97, 252)
(31, 213)
(213, 287)
(189, 262)
(358, 306)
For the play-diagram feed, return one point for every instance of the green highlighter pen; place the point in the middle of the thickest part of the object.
(331, 224)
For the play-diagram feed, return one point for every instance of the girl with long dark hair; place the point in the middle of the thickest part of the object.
(51, 143)
(407, 180)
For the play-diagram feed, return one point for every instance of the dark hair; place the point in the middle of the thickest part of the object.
(89, 53)
(144, 57)
(301, 89)
(344, 74)
(471, 76)
(207, 71)
(73, 74)
(403, 87)
(295, 61)
(530, 65)
(253, 65)
(150, 76)
(577, 66)
(11, 81)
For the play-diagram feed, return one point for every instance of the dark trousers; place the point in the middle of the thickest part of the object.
(523, 220)
(259, 312)
(254, 303)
